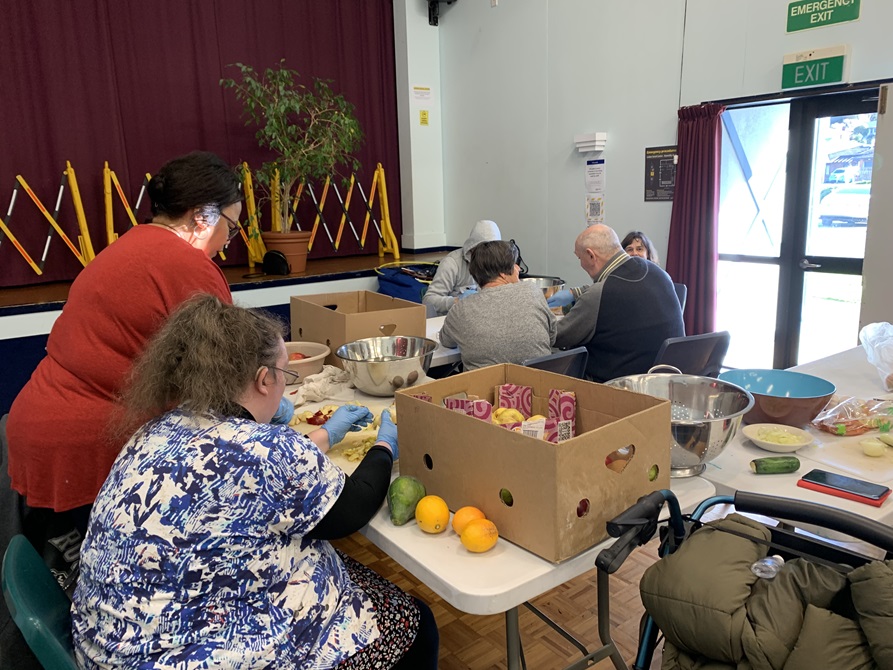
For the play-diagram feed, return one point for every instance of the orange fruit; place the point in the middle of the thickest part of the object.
(432, 514)
(464, 515)
(479, 535)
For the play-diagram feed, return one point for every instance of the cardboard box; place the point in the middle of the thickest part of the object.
(337, 318)
(468, 461)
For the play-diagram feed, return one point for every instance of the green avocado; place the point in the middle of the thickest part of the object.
(404, 494)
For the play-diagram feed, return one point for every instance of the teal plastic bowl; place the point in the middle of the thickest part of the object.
(782, 396)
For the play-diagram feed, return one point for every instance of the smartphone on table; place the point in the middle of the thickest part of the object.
(842, 486)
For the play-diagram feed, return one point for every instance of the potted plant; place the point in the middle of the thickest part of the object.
(311, 130)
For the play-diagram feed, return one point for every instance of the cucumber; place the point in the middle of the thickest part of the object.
(775, 465)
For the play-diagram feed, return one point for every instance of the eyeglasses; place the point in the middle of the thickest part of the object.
(233, 227)
(291, 378)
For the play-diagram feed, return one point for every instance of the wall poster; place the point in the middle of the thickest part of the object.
(660, 173)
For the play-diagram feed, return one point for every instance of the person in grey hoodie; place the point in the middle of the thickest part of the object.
(453, 281)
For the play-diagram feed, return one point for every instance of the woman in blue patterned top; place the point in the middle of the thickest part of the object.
(208, 544)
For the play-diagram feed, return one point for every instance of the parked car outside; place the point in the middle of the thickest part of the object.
(845, 206)
(844, 175)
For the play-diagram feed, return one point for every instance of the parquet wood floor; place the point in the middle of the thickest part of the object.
(469, 642)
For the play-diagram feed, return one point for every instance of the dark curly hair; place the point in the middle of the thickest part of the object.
(198, 178)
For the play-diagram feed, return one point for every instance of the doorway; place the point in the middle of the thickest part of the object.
(795, 188)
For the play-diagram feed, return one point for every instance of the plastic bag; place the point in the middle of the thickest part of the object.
(877, 340)
(853, 416)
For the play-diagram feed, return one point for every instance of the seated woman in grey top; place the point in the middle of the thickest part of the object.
(507, 321)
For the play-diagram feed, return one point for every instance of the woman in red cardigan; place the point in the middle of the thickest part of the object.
(60, 451)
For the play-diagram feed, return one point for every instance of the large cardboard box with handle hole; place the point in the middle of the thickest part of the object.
(334, 319)
(561, 494)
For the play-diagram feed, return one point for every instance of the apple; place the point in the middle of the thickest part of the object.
(297, 356)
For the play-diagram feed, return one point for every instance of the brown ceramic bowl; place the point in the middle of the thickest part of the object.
(782, 396)
(314, 357)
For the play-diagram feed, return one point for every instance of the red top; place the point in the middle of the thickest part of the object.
(59, 453)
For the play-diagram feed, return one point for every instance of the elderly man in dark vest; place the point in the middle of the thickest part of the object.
(625, 315)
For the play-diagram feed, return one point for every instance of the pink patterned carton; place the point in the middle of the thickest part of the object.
(479, 409)
(422, 396)
(563, 406)
(515, 396)
(562, 422)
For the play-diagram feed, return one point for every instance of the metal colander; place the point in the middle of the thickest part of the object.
(704, 415)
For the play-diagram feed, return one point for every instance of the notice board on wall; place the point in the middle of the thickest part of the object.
(660, 173)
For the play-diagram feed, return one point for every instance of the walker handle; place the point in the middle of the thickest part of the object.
(789, 509)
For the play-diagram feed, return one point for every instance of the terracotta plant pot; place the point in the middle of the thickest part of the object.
(292, 244)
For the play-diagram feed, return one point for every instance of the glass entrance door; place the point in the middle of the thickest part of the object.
(793, 214)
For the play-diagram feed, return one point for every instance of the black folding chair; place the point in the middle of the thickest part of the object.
(571, 363)
(681, 293)
(695, 354)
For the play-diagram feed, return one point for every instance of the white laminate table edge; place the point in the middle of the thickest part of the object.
(500, 579)
(442, 355)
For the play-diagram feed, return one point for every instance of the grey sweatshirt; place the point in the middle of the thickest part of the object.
(502, 324)
(452, 275)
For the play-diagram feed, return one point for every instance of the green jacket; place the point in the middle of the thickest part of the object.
(715, 613)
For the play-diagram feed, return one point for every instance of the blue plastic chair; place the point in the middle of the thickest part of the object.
(38, 605)
(571, 363)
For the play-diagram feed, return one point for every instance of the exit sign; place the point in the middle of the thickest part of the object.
(806, 14)
(814, 68)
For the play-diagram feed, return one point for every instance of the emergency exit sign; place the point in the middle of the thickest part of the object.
(806, 14)
(814, 68)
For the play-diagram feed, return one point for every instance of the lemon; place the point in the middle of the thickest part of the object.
(507, 415)
(432, 514)
(465, 514)
(479, 535)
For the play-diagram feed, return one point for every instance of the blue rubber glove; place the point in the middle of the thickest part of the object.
(561, 298)
(285, 412)
(346, 419)
(387, 432)
(467, 292)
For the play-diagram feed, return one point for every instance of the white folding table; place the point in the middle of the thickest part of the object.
(498, 581)
(442, 355)
(853, 375)
(501, 579)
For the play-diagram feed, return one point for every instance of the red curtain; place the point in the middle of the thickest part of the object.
(136, 84)
(692, 250)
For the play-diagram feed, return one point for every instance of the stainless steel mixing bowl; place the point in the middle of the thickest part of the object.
(704, 415)
(381, 365)
(549, 285)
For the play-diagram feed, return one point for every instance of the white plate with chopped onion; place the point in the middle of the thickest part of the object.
(776, 437)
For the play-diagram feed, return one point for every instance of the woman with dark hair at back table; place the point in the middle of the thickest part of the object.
(208, 544)
(59, 448)
(507, 321)
(636, 243)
